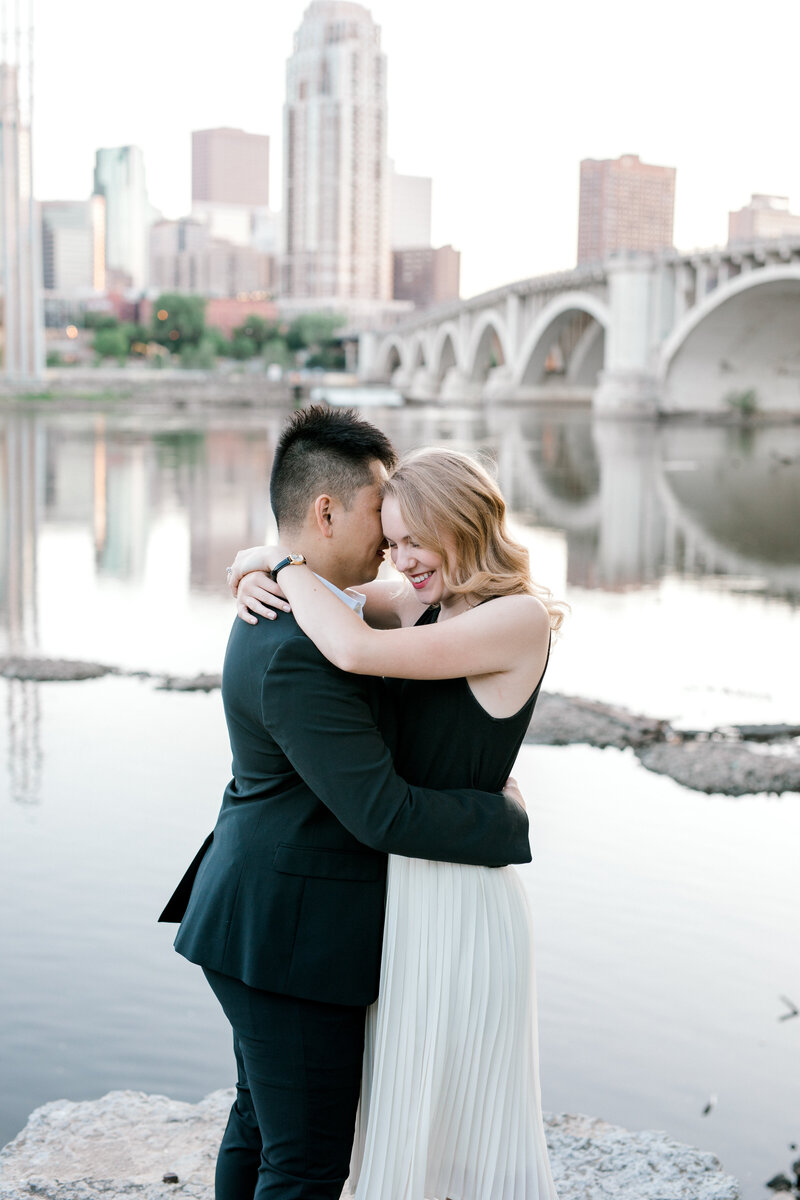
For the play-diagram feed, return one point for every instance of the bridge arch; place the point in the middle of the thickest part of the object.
(445, 350)
(553, 321)
(417, 353)
(742, 337)
(488, 346)
(391, 356)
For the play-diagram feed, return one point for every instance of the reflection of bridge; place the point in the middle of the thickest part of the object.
(636, 499)
(642, 333)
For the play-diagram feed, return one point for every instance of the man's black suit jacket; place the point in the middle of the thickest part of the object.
(287, 893)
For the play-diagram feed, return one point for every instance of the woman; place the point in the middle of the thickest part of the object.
(450, 1104)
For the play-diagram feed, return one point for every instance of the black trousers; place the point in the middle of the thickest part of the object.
(290, 1131)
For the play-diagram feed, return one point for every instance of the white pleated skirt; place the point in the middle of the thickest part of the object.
(450, 1102)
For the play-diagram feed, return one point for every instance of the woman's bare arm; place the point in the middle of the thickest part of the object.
(486, 640)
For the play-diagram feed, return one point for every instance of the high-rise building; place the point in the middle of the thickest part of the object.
(763, 217)
(230, 166)
(336, 175)
(411, 211)
(426, 276)
(20, 268)
(73, 245)
(625, 204)
(186, 258)
(119, 178)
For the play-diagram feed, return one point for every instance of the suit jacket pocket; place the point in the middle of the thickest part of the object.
(320, 863)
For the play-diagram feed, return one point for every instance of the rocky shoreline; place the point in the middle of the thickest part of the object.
(736, 760)
(130, 1144)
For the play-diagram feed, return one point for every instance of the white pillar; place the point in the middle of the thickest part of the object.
(367, 354)
(628, 383)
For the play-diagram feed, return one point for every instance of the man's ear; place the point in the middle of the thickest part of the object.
(323, 514)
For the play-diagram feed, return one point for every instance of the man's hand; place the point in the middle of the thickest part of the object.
(259, 593)
(511, 792)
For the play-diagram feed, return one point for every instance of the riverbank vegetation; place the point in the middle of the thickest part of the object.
(177, 333)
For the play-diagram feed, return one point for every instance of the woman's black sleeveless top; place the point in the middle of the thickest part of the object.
(445, 739)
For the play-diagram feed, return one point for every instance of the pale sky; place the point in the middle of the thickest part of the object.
(498, 102)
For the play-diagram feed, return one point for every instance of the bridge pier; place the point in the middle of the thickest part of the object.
(628, 384)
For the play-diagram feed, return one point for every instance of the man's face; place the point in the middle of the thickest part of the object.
(358, 535)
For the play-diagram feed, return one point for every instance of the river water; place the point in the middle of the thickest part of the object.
(667, 920)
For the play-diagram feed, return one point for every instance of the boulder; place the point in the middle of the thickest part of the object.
(126, 1143)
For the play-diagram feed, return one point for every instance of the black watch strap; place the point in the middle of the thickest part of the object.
(291, 560)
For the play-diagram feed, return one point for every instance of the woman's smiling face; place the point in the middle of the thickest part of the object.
(421, 567)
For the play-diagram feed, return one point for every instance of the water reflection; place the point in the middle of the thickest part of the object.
(633, 501)
(638, 501)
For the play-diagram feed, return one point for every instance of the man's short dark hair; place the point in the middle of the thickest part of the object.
(324, 451)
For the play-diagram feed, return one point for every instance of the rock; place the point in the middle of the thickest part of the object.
(779, 1184)
(563, 720)
(194, 683)
(766, 733)
(129, 1144)
(47, 670)
(733, 768)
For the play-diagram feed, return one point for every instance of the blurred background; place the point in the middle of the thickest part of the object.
(565, 240)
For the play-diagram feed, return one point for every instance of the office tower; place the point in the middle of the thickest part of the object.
(119, 178)
(20, 267)
(625, 204)
(411, 211)
(337, 182)
(230, 185)
(230, 166)
(73, 245)
(763, 217)
(427, 276)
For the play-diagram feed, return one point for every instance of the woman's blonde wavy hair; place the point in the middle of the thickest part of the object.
(450, 504)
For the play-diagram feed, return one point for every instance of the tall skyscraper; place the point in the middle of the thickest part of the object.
(337, 182)
(230, 166)
(763, 217)
(20, 269)
(73, 245)
(230, 187)
(625, 204)
(119, 178)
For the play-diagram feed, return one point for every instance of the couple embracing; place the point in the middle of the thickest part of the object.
(366, 724)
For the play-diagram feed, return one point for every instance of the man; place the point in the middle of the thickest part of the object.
(283, 905)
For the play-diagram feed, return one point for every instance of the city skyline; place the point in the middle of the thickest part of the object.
(498, 109)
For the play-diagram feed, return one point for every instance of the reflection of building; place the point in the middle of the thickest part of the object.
(411, 211)
(763, 217)
(119, 177)
(184, 257)
(625, 204)
(337, 181)
(20, 504)
(427, 276)
(73, 245)
(228, 499)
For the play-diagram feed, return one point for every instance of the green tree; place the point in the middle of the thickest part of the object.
(256, 329)
(242, 347)
(178, 320)
(111, 343)
(276, 351)
(312, 331)
(100, 320)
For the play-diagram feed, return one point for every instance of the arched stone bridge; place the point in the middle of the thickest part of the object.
(639, 333)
